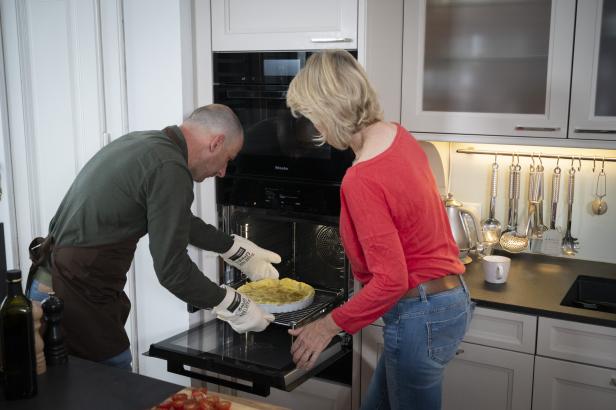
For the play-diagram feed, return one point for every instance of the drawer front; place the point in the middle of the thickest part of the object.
(561, 385)
(578, 342)
(506, 330)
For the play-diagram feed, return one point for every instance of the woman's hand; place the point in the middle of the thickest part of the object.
(311, 340)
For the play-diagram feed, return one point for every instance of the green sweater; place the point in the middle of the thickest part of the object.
(140, 184)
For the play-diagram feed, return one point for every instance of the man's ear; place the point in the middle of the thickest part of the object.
(217, 142)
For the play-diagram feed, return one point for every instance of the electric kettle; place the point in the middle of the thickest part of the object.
(464, 227)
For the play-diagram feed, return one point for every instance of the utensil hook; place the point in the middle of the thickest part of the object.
(603, 165)
(540, 162)
(579, 162)
(594, 161)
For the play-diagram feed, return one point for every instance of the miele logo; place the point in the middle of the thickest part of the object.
(281, 168)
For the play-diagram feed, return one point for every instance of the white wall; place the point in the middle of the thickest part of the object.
(156, 92)
(470, 179)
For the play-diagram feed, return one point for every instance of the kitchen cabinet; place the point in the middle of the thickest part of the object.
(501, 379)
(488, 67)
(579, 367)
(498, 351)
(561, 385)
(487, 378)
(593, 101)
(283, 25)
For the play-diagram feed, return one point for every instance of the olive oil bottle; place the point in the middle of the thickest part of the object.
(17, 341)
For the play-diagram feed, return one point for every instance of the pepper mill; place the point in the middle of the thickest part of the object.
(37, 316)
(55, 351)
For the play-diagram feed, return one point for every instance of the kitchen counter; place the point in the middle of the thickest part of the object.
(537, 284)
(81, 384)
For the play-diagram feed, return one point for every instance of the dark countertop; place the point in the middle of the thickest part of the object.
(81, 384)
(537, 284)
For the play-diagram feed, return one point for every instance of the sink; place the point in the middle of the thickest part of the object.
(593, 293)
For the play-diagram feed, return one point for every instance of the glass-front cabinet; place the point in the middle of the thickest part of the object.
(593, 87)
(488, 67)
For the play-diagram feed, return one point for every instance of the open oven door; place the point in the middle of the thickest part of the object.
(259, 360)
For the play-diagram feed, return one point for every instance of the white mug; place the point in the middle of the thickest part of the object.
(496, 268)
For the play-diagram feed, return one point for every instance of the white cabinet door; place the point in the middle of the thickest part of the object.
(593, 100)
(485, 378)
(283, 24)
(487, 67)
(57, 99)
(313, 394)
(562, 385)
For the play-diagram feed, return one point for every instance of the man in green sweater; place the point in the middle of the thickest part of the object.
(142, 183)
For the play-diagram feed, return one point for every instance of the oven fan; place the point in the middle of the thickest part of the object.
(329, 248)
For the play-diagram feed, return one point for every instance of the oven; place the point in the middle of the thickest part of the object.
(269, 213)
(276, 145)
(282, 192)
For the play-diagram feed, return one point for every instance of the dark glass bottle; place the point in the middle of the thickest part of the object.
(17, 341)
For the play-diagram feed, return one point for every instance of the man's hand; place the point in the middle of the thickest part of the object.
(242, 313)
(253, 261)
(311, 340)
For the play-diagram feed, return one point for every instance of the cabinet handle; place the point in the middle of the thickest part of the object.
(523, 128)
(460, 351)
(591, 131)
(332, 40)
(106, 138)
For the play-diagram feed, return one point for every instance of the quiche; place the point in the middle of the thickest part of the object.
(279, 295)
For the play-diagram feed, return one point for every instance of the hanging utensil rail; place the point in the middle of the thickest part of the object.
(596, 158)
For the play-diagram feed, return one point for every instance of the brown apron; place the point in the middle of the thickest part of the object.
(90, 281)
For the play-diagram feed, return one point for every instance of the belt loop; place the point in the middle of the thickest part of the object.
(422, 293)
(464, 285)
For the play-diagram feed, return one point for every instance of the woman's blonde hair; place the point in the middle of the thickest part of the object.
(333, 92)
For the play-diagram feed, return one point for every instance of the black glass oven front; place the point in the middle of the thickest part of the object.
(276, 144)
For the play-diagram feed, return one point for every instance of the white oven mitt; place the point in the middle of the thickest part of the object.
(241, 313)
(254, 261)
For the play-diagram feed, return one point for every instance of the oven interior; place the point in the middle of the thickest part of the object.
(310, 250)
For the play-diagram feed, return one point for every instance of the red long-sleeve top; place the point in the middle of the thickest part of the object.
(394, 230)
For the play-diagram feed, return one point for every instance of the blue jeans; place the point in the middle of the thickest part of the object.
(38, 292)
(122, 361)
(421, 335)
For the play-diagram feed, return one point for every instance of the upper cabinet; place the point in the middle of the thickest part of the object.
(489, 67)
(593, 90)
(283, 24)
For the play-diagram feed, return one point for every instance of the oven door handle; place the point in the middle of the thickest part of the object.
(261, 389)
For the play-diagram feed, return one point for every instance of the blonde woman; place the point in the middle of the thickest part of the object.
(396, 236)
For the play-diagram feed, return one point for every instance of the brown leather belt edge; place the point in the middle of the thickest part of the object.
(436, 285)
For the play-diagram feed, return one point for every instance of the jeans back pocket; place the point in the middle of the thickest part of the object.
(444, 336)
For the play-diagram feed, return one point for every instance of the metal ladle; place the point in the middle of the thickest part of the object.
(599, 205)
(491, 227)
(514, 241)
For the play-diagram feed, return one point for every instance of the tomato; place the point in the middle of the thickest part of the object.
(178, 404)
(223, 405)
(179, 396)
(198, 395)
(206, 406)
(213, 399)
(191, 404)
